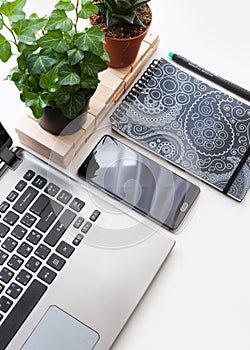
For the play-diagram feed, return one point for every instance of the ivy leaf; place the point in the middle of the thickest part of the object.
(59, 20)
(65, 5)
(75, 56)
(67, 76)
(40, 63)
(88, 8)
(5, 49)
(20, 80)
(91, 40)
(13, 10)
(35, 101)
(74, 105)
(49, 80)
(88, 82)
(53, 39)
(25, 29)
(93, 64)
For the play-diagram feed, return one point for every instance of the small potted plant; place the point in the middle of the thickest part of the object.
(57, 61)
(125, 24)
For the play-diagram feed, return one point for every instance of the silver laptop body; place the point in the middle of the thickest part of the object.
(74, 262)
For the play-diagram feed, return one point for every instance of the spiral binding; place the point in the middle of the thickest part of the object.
(139, 85)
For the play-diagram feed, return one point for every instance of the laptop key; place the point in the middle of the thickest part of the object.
(12, 196)
(64, 197)
(33, 264)
(1, 288)
(14, 290)
(29, 175)
(3, 257)
(56, 262)
(11, 218)
(19, 232)
(77, 240)
(40, 204)
(95, 215)
(39, 182)
(20, 185)
(25, 249)
(15, 262)
(65, 249)
(24, 201)
(4, 206)
(3, 230)
(47, 275)
(34, 237)
(9, 244)
(42, 251)
(28, 220)
(60, 227)
(77, 204)
(52, 189)
(86, 227)
(49, 215)
(6, 275)
(5, 303)
(20, 312)
(24, 277)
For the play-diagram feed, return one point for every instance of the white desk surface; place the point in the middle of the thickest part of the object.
(201, 297)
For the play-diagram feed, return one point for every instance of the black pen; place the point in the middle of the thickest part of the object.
(236, 89)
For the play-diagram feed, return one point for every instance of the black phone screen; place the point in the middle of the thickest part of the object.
(139, 181)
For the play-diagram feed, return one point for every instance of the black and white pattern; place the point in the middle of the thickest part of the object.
(190, 123)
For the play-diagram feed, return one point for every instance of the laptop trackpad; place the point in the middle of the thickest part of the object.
(59, 331)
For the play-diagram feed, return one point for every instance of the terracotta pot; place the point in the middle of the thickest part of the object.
(54, 121)
(123, 52)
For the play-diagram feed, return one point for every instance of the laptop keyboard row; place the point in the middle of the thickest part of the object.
(33, 219)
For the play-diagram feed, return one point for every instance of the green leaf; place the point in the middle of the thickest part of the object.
(74, 105)
(67, 76)
(26, 29)
(88, 8)
(13, 10)
(75, 56)
(53, 39)
(49, 81)
(88, 82)
(5, 49)
(20, 80)
(35, 101)
(40, 63)
(91, 40)
(92, 64)
(62, 97)
(59, 20)
(1, 23)
(65, 5)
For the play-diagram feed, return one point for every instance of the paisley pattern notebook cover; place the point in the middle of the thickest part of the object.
(191, 124)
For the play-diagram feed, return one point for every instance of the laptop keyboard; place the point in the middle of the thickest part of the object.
(33, 219)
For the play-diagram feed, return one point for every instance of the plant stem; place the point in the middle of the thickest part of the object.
(76, 9)
(11, 31)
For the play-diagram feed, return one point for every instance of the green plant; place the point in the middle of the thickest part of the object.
(56, 61)
(118, 12)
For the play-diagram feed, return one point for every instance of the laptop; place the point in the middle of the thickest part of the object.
(73, 264)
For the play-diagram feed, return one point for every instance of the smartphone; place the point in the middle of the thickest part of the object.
(139, 182)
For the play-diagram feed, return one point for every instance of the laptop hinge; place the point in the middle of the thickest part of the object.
(9, 158)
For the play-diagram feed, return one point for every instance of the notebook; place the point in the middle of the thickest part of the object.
(191, 124)
(70, 276)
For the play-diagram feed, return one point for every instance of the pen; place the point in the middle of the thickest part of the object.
(236, 89)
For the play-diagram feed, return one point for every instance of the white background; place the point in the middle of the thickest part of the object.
(201, 297)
